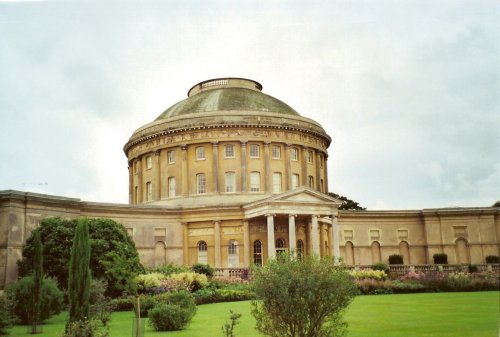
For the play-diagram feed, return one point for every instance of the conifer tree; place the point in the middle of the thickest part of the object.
(37, 281)
(79, 274)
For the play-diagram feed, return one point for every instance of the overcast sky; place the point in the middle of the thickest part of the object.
(408, 90)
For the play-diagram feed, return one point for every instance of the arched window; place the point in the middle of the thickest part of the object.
(232, 254)
(280, 246)
(202, 252)
(300, 249)
(349, 253)
(376, 252)
(404, 251)
(257, 252)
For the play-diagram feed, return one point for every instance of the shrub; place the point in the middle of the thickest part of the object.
(472, 268)
(440, 258)
(407, 287)
(146, 281)
(210, 295)
(202, 268)
(122, 304)
(52, 299)
(396, 259)
(6, 320)
(412, 276)
(100, 306)
(459, 281)
(168, 269)
(492, 259)
(381, 266)
(181, 298)
(368, 274)
(168, 317)
(373, 286)
(191, 281)
(85, 329)
(147, 302)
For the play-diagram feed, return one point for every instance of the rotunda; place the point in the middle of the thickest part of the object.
(226, 144)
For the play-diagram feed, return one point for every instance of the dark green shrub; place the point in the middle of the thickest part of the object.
(381, 266)
(148, 302)
(52, 299)
(122, 304)
(181, 298)
(201, 268)
(168, 317)
(100, 306)
(396, 259)
(440, 258)
(472, 268)
(167, 269)
(205, 296)
(6, 320)
(492, 259)
(85, 329)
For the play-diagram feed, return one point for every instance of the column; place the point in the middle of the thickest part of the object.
(215, 165)
(330, 240)
(217, 244)
(326, 173)
(308, 244)
(336, 239)
(288, 167)
(130, 183)
(246, 244)
(267, 169)
(318, 172)
(315, 235)
(291, 234)
(139, 183)
(185, 243)
(271, 250)
(184, 171)
(243, 166)
(157, 169)
(304, 166)
(322, 240)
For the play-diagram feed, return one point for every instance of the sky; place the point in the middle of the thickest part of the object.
(408, 90)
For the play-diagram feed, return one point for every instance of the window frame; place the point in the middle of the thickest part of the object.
(277, 183)
(295, 176)
(254, 175)
(201, 183)
(169, 185)
(232, 179)
(149, 162)
(200, 153)
(276, 152)
(294, 154)
(229, 148)
(256, 153)
(171, 157)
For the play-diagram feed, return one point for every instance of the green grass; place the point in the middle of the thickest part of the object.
(474, 314)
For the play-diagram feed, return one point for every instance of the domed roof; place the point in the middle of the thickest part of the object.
(227, 94)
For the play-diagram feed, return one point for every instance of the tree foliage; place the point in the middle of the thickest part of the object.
(37, 280)
(113, 253)
(347, 204)
(79, 275)
(302, 297)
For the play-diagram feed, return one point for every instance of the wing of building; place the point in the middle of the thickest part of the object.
(231, 176)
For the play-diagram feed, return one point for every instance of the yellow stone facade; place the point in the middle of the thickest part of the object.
(231, 176)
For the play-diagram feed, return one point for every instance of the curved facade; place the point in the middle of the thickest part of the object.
(227, 143)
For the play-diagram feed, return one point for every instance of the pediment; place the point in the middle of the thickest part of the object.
(302, 195)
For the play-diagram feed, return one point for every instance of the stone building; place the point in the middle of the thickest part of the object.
(231, 176)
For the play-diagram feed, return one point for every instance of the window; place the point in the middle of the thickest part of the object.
(321, 161)
(130, 232)
(136, 166)
(171, 157)
(310, 156)
(280, 246)
(201, 183)
(230, 182)
(136, 194)
(149, 191)
(255, 182)
(276, 152)
(294, 153)
(149, 162)
(229, 151)
(295, 181)
(254, 151)
(300, 249)
(311, 181)
(171, 187)
(200, 153)
(257, 253)
(321, 186)
(232, 254)
(276, 182)
(202, 252)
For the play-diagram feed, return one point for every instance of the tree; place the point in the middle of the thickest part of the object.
(302, 297)
(113, 257)
(79, 275)
(37, 280)
(347, 204)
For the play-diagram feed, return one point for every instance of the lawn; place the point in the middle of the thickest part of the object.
(474, 314)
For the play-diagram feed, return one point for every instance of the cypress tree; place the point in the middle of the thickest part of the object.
(37, 280)
(79, 274)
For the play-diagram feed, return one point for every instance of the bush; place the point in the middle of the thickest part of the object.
(472, 268)
(148, 302)
(122, 304)
(100, 306)
(6, 320)
(492, 259)
(371, 286)
(85, 329)
(191, 281)
(202, 268)
(440, 258)
(407, 287)
(168, 269)
(368, 274)
(381, 266)
(210, 295)
(146, 281)
(168, 317)
(52, 299)
(396, 259)
(181, 298)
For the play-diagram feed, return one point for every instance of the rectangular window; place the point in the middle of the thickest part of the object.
(200, 153)
(171, 157)
(254, 182)
(311, 181)
(310, 157)
(294, 154)
(149, 191)
(230, 182)
(149, 162)
(276, 152)
(254, 151)
(171, 187)
(295, 181)
(276, 182)
(229, 151)
(201, 183)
